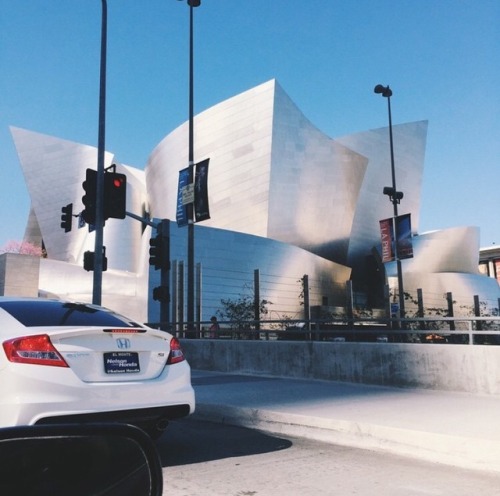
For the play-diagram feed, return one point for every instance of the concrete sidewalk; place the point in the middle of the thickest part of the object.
(457, 429)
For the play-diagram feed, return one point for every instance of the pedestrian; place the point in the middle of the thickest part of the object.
(214, 328)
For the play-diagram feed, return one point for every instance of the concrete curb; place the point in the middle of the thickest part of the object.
(464, 452)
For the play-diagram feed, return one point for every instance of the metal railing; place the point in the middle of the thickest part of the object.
(451, 330)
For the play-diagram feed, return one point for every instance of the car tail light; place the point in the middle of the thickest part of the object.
(33, 349)
(176, 354)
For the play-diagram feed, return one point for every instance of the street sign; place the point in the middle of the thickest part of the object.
(187, 193)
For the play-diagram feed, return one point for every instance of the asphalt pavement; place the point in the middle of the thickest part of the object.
(451, 428)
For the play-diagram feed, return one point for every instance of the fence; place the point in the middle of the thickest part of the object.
(322, 309)
(302, 297)
(451, 330)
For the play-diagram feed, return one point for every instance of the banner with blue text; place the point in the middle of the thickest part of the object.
(403, 236)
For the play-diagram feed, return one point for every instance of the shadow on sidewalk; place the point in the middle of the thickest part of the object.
(189, 441)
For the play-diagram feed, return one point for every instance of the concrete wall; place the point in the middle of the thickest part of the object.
(474, 369)
(19, 274)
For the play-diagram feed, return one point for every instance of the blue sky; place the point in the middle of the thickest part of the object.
(440, 57)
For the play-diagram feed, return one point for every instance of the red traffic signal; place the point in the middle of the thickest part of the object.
(115, 195)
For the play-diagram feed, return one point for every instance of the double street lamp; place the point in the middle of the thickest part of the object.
(394, 195)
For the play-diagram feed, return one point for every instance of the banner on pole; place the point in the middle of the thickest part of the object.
(387, 237)
(201, 210)
(403, 236)
(182, 214)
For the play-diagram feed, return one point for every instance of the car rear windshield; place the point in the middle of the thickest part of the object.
(58, 313)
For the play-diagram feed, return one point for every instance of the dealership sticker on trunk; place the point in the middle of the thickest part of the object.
(121, 362)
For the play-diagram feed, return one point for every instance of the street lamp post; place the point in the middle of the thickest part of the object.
(394, 195)
(190, 210)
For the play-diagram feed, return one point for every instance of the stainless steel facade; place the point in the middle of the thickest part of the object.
(284, 198)
(54, 170)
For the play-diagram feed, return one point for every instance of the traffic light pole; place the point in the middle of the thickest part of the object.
(165, 274)
(99, 221)
(142, 219)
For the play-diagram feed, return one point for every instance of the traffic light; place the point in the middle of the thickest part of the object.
(156, 251)
(89, 198)
(89, 260)
(160, 293)
(67, 217)
(115, 195)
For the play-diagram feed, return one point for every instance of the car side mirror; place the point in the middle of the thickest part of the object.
(80, 460)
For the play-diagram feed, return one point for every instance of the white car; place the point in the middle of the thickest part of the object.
(64, 362)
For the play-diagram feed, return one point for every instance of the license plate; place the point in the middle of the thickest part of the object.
(121, 362)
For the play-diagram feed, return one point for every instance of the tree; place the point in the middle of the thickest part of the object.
(22, 248)
(241, 311)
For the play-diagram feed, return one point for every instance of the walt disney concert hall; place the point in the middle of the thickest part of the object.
(285, 201)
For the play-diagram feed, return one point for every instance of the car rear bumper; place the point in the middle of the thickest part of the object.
(142, 417)
(33, 395)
